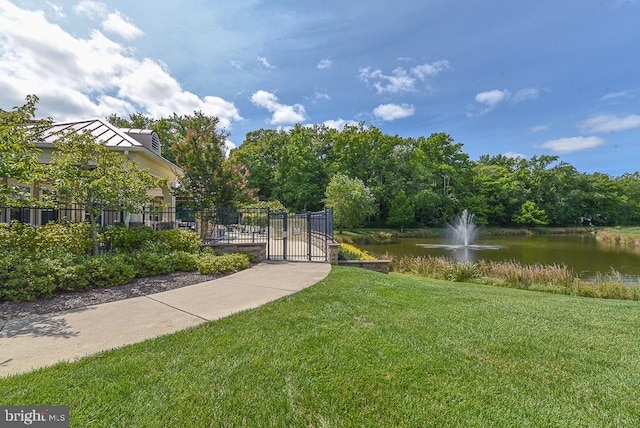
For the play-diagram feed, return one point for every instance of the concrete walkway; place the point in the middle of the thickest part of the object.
(43, 340)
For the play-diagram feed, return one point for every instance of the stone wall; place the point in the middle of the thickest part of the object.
(258, 249)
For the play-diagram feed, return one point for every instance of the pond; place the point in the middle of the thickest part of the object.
(583, 254)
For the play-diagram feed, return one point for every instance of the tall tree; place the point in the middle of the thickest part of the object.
(301, 173)
(201, 154)
(350, 199)
(86, 173)
(19, 132)
(261, 153)
(402, 212)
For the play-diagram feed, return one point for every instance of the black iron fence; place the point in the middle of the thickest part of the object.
(288, 236)
(155, 217)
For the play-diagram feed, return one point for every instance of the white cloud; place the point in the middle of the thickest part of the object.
(325, 63)
(390, 112)
(610, 123)
(91, 9)
(514, 155)
(338, 124)
(318, 96)
(401, 79)
(397, 81)
(229, 145)
(526, 94)
(57, 9)
(265, 62)
(77, 77)
(539, 128)
(429, 70)
(572, 144)
(281, 114)
(492, 98)
(236, 64)
(117, 24)
(617, 95)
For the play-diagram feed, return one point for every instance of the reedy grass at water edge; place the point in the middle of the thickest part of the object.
(550, 278)
(365, 349)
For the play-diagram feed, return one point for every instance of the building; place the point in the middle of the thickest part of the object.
(142, 146)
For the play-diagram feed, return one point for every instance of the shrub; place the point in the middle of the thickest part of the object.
(350, 252)
(179, 240)
(210, 264)
(108, 270)
(151, 263)
(461, 272)
(64, 237)
(183, 261)
(73, 238)
(128, 240)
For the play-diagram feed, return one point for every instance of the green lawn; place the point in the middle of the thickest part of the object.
(371, 350)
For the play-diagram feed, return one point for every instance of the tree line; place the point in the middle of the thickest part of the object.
(425, 181)
(396, 181)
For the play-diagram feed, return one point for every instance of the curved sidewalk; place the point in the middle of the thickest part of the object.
(42, 340)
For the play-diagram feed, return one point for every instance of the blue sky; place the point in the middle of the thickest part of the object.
(502, 77)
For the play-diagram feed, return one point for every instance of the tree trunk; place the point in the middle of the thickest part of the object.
(94, 232)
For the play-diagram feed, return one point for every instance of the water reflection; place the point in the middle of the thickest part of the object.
(462, 253)
(583, 254)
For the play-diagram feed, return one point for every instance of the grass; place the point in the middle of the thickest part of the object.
(365, 349)
(550, 278)
(623, 236)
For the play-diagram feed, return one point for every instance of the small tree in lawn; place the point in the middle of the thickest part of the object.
(351, 200)
(96, 178)
(402, 213)
(19, 133)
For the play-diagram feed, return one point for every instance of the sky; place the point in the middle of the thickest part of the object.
(499, 76)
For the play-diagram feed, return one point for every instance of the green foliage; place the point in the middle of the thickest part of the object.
(182, 261)
(30, 276)
(18, 151)
(96, 178)
(128, 240)
(60, 238)
(106, 270)
(178, 240)
(550, 278)
(210, 264)
(530, 215)
(351, 252)
(351, 200)
(152, 263)
(402, 212)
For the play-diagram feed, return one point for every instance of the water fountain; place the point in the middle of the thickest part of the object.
(463, 229)
(461, 235)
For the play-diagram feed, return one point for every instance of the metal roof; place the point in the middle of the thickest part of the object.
(103, 131)
(111, 136)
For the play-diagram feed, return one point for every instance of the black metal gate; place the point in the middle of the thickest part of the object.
(301, 237)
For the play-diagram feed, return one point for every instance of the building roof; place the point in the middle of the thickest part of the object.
(139, 140)
(102, 130)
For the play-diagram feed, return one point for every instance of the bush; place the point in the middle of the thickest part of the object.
(74, 238)
(350, 252)
(151, 263)
(182, 261)
(178, 240)
(210, 264)
(128, 240)
(108, 270)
